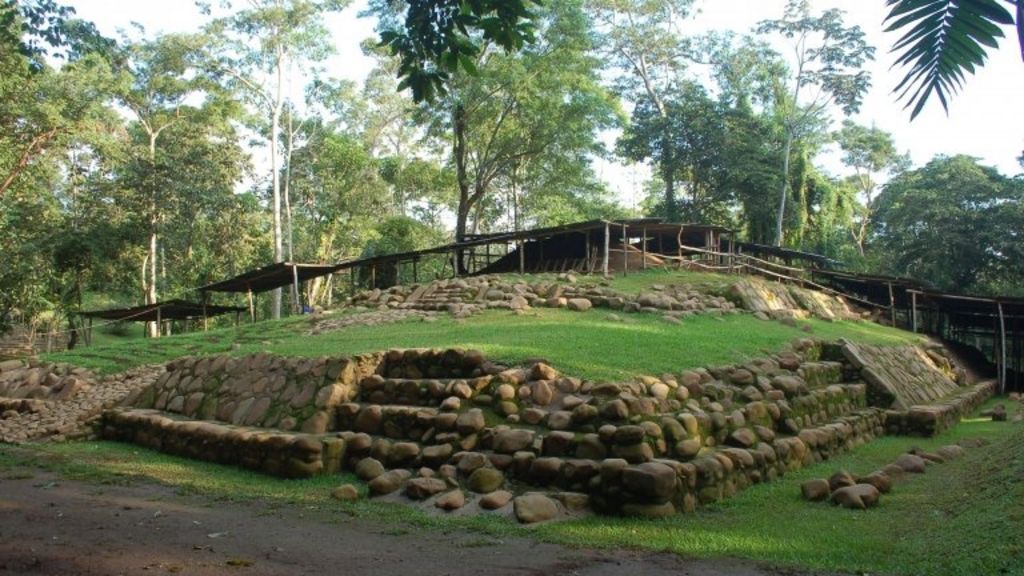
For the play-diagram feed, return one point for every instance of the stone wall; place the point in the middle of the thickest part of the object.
(469, 295)
(899, 377)
(260, 390)
(780, 300)
(42, 401)
(651, 446)
(269, 451)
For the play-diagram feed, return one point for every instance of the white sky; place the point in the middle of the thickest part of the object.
(983, 121)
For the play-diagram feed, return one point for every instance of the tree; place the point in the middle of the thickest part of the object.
(955, 224)
(641, 38)
(157, 78)
(688, 141)
(257, 50)
(520, 108)
(871, 153)
(438, 37)
(944, 40)
(829, 59)
(45, 107)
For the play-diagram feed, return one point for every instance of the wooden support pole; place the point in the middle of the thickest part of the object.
(522, 257)
(1002, 341)
(607, 246)
(643, 248)
(892, 306)
(625, 253)
(373, 276)
(206, 317)
(252, 304)
(913, 312)
(586, 243)
(352, 281)
(455, 264)
(295, 289)
(159, 322)
(88, 337)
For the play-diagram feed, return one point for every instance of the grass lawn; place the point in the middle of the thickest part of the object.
(962, 517)
(584, 344)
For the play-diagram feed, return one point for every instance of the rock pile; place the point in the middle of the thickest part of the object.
(861, 492)
(58, 403)
(463, 297)
(333, 323)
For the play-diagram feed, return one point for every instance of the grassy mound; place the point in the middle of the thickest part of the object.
(586, 344)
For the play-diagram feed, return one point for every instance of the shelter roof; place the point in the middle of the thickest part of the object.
(270, 277)
(652, 225)
(787, 253)
(981, 307)
(169, 310)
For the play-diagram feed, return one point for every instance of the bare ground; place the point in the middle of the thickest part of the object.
(54, 526)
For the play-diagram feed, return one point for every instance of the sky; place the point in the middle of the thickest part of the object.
(983, 120)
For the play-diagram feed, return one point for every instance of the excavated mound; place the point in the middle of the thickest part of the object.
(453, 430)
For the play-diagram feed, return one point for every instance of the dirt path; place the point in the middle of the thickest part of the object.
(58, 527)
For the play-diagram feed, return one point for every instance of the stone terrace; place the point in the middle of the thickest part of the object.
(452, 429)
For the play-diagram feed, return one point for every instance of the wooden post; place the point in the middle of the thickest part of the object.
(159, 322)
(913, 314)
(252, 304)
(352, 282)
(295, 288)
(625, 253)
(892, 306)
(522, 256)
(1002, 341)
(206, 322)
(373, 276)
(455, 264)
(607, 245)
(586, 244)
(540, 250)
(643, 248)
(415, 272)
(88, 337)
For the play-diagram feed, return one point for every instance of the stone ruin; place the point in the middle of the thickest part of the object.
(40, 400)
(464, 297)
(453, 430)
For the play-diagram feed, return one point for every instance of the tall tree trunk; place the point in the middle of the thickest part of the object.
(275, 132)
(781, 214)
(461, 160)
(668, 176)
(151, 292)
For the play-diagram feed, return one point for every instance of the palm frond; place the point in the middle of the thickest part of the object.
(944, 41)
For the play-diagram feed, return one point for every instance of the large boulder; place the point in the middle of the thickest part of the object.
(579, 305)
(513, 440)
(423, 488)
(531, 508)
(912, 463)
(816, 490)
(652, 481)
(485, 480)
(856, 497)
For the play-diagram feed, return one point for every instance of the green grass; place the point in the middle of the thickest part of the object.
(583, 344)
(962, 517)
